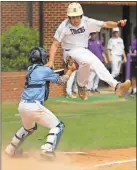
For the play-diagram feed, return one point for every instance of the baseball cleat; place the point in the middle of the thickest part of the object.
(122, 88)
(82, 92)
(50, 156)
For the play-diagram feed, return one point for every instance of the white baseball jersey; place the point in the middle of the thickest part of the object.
(73, 37)
(116, 46)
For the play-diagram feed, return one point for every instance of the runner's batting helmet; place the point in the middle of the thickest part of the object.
(74, 9)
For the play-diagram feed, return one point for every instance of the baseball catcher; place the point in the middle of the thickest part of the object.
(31, 107)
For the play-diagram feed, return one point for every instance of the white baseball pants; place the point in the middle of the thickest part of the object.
(87, 61)
(35, 112)
(116, 65)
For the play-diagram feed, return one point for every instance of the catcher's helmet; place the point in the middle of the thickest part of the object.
(38, 55)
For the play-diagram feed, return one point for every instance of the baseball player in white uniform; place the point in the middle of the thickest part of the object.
(73, 34)
(116, 52)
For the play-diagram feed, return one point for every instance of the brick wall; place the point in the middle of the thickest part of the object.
(12, 13)
(13, 83)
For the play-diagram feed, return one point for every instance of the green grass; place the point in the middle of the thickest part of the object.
(88, 125)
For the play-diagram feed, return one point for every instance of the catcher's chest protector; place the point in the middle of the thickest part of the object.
(28, 79)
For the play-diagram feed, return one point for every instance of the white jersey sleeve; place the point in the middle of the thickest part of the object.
(59, 34)
(94, 25)
(109, 45)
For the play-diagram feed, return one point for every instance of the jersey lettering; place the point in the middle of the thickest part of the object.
(78, 31)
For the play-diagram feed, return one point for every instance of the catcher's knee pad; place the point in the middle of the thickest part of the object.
(21, 135)
(53, 137)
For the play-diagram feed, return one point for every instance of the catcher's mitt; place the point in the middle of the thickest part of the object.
(71, 63)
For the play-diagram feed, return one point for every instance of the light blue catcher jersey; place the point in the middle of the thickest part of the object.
(40, 75)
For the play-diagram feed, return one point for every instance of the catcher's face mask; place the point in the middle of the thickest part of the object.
(38, 55)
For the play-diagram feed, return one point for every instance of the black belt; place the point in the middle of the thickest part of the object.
(32, 101)
(34, 85)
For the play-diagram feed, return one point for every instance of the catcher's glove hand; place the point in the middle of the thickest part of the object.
(71, 63)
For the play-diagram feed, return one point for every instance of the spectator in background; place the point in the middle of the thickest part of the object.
(116, 53)
(95, 46)
(134, 63)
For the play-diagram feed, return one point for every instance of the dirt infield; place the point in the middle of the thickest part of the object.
(95, 160)
(99, 159)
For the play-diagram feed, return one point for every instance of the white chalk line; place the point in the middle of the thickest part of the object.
(116, 162)
(74, 153)
(109, 164)
(67, 153)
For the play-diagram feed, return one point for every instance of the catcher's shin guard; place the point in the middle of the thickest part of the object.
(52, 141)
(17, 140)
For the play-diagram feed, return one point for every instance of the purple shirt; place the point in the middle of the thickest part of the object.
(134, 45)
(95, 46)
